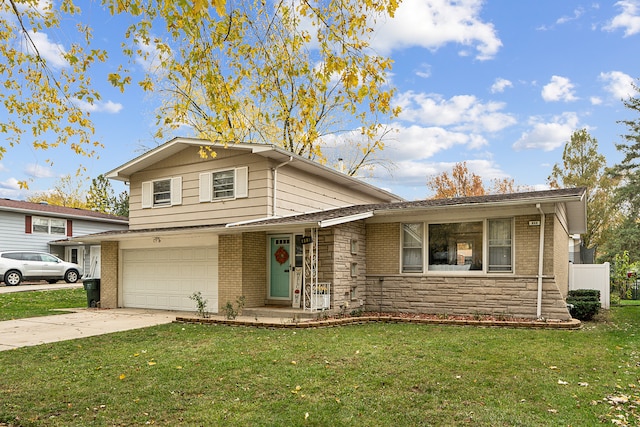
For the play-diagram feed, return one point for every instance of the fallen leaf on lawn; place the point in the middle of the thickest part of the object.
(178, 367)
(616, 400)
(122, 376)
(554, 368)
(583, 384)
(552, 411)
(306, 415)
(151, 363)
(136, 354)
(562, 382)
(337, 400)
(293, 362)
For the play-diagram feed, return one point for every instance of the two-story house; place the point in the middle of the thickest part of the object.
(281, 230)
(42, 227)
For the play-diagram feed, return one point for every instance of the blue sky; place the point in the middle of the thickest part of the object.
(499, 84)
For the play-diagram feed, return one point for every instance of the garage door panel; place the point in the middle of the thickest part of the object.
(166, 278)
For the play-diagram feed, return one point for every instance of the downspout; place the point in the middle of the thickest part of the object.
(274, 173)
(540, 261)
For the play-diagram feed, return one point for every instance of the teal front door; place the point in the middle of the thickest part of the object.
(280, 266)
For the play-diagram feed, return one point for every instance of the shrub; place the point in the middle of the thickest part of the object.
(584, 303)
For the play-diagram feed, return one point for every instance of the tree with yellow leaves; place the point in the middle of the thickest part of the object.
(286, 73)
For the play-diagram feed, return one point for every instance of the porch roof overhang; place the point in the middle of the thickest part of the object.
(573, 199)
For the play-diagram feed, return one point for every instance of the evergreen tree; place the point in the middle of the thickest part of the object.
(627, 235)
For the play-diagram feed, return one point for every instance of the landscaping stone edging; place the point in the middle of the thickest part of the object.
(326, 323)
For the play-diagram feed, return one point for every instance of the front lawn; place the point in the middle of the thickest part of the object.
(18, 305)
(364, 375)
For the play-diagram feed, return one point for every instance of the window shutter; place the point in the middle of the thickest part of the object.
(28, 224)
(242, 182)
(176, 191)
(205, 187)
(69, 228)
(147, 194)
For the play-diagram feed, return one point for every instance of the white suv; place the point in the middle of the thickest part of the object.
(16, 266)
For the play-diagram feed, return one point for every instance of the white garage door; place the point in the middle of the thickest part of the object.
(166, 278)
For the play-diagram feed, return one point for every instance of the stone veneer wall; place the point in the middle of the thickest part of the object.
(335, 262)
(512, 294)
(109, 274)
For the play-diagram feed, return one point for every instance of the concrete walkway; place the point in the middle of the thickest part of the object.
(81, 323)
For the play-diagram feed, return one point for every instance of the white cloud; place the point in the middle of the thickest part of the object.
(500, 85)
(559, 89)
(618, 84)
(38, 171)
(548, 136)
(577, 13)
(461, 112)
(109, 107)
(436, 23)
(10, 184)
(52, 52)
(424, 71)
(628, 19)
(150, 56)
(595, 100)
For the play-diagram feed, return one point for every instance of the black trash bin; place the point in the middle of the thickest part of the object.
(92, 286)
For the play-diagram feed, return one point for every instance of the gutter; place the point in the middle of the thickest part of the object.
(274, 172)
(540, 261)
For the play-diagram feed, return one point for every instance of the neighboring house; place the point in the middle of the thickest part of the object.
(281, 230)
(49, 228)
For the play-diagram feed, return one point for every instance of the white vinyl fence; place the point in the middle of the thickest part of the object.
(591, 276)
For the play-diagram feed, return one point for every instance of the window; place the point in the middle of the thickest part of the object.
(224, 184)
(354, 269)
(455, 246)
(500, 245)
(49, 226)
(412, 239)
(354, 247)
(163, 192)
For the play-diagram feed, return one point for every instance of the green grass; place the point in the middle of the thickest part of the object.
(365, 375)
(18, 305)
(630, 302)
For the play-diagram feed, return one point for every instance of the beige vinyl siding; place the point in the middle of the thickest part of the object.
(188, 165)
(300, 192)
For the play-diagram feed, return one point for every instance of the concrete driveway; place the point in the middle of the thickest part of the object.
(79, 324)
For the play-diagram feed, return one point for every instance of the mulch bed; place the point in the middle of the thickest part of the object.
(425, 319)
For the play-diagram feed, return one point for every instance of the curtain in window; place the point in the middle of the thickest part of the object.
(412, 238)
(500, 245)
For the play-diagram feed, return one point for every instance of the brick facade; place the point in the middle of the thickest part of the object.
(242, 269)
(109, 274)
